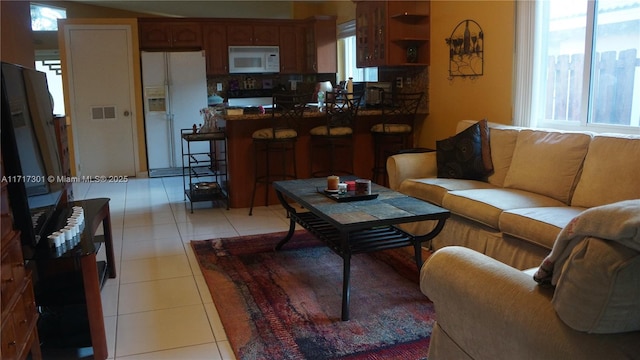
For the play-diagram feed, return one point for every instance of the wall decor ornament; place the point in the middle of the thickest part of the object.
(466, 49)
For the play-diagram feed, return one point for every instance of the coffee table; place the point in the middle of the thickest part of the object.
(355, 227)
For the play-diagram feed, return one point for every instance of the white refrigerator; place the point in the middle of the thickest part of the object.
(174, 89)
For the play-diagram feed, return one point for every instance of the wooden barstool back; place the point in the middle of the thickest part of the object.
(341, 112)
(278, 141)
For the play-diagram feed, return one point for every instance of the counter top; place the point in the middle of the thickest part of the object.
(306, 114)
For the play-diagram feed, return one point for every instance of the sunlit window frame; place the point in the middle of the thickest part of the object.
(527, 105)
(43, 6)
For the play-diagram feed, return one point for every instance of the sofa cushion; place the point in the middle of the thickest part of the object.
(434, 189)
(503, 142)
(547, 162)
(540, 226)
(461, 156)
(486, 205)
(598, 290)
(610, 173)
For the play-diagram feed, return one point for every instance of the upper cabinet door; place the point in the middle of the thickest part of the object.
(186, 35)
(266, 35)
(239, 35)
(154, 35)
(215, 46)
(371, 33)
(362, 34)
(170, 35)
(292, 45)
(262, 35)
(320, 45)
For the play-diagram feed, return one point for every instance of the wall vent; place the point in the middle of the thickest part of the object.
(103, 112)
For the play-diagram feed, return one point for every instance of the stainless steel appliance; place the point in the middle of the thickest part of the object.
(254, 59)
(373, 92)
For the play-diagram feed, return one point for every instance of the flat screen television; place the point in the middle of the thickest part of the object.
(30, 155)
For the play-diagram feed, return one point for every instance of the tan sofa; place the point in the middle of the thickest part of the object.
(541, 180)
(489, 308)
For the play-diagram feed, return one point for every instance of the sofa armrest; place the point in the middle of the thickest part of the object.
(493, 311)
(411, 166)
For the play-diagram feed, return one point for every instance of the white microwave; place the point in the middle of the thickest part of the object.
(254, 59)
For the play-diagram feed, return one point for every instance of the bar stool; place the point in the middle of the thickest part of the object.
(394, 132)
(278, 141)
(341, 111)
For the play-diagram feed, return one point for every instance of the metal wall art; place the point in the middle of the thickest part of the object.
(466, 46)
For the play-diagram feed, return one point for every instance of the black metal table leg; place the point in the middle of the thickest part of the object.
(292, 222)
(418, 240)
(417, 248)
(346, 277)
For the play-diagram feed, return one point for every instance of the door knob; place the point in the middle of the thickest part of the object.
(126, 113)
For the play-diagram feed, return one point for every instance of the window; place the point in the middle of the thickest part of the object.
(48, 61)
(45, 18)
(347, 56)
(586, 67)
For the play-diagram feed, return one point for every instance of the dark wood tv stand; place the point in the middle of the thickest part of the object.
(75, 277)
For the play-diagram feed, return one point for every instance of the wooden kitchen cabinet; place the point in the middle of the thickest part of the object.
(215, 47)
(320, 45)
(371, 25)
(392, 33)
(267, 34)
(160, 34)
(292, 49)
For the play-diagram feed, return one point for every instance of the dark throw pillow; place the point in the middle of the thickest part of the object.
(486, 147)
(461, 156)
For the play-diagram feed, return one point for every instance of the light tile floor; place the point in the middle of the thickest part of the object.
(159, 306)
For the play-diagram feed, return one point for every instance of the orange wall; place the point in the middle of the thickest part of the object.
(487, 96)
(15, 28)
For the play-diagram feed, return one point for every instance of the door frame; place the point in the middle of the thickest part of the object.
(137, 118)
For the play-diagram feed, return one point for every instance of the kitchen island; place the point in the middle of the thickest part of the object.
(239, 129)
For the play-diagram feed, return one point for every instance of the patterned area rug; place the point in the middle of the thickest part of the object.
(287, 304)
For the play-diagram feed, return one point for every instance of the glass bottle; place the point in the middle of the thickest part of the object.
(320, 100)
(467, 39)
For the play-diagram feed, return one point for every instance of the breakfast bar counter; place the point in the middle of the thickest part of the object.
(239, 129)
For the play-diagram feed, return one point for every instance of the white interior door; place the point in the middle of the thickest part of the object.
(101, 80)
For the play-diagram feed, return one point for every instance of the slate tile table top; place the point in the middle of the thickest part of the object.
(355, 227)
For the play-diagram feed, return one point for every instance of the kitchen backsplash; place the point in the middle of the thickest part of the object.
(303, 83)
(414, 79)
